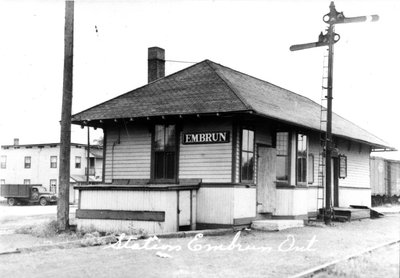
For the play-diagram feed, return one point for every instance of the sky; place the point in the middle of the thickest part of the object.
(250, 36)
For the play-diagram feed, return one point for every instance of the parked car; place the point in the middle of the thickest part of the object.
(27, 194)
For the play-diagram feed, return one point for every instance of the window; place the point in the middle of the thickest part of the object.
(282, 156)
(27, 181)
(342, 166)
(91, 162)
(53, 186)
(310, 172)
(3, 161)
(53, 161)
(2, 181)
(164, 153)
(27, 162)
(78, 162)
(301, 159)
(247, 163)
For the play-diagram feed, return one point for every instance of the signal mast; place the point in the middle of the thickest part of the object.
(329, 39)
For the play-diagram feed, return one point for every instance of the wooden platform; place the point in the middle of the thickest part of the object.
(350, 214)
(346, 214)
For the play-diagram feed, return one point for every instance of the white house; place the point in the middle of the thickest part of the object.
(39, 164)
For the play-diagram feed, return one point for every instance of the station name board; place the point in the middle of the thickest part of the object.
(213, 137)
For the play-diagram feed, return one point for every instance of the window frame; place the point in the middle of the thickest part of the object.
(53, 164)
(312, 165)
(51, 185)
(304, 182)
(342, 160)
(78, 165)
(252, 180)
(287, 155)
(175, 152)
(27, 181)
(2, 181)
(3, 162)
(27, 162)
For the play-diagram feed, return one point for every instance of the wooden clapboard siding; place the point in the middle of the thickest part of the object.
(300, 207)
(184, 207)
(291, 202)
(244, 202)
(237, 156)
(215, 205)
(284, 202)
(209, 162)
(357, 166)
(194, 209)
(312, 199)
(354, 196)
(131, 154)
(133, 201)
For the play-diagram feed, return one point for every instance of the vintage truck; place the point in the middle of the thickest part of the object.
(27, 193)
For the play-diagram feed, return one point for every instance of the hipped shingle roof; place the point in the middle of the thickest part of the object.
(207, 87)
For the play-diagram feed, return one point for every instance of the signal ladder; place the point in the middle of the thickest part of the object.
(321, 156)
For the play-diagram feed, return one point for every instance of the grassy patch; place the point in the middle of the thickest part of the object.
(49, 230)
(45, 229)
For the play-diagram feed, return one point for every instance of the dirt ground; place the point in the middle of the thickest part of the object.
(285, 254)
(367, 266)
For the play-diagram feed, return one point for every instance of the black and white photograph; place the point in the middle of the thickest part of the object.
(199, 138)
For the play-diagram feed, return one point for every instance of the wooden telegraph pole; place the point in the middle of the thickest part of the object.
(88, 155)
(329, 39)
(65, 140)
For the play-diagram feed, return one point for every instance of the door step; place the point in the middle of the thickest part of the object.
(263, 216)
(276, 225)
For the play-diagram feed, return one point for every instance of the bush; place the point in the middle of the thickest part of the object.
(379, 200)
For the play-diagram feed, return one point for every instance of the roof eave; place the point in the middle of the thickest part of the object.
(373, 145)
(100, 122)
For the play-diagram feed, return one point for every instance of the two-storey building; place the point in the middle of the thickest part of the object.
(39, 164)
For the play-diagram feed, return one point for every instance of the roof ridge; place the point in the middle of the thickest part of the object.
(234, 91)
(264, 81)
(289, 91)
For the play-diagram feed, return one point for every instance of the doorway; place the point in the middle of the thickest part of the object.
(266, 175)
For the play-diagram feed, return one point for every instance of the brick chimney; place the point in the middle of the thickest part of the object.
(156, 63)
(16, 141)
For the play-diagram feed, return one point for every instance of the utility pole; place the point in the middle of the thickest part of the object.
(329, 39)
(65, 140)
(88, 155)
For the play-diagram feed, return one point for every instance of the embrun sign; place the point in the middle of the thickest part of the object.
(206, 137)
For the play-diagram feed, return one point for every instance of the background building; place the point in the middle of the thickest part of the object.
(39, 164)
